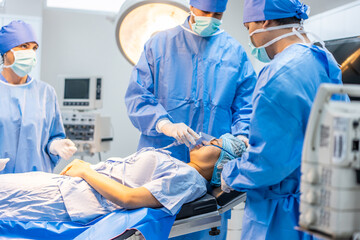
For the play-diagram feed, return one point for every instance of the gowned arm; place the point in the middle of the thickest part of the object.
(144, 109)
(275, 149)
(241, 106)
(57, 130)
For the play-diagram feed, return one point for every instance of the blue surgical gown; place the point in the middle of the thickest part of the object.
(270, 170)
(204, 82)
(29, 121)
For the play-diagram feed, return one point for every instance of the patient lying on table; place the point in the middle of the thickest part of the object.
(83, 192)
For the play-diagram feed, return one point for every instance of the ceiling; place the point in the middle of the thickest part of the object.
(319, 6)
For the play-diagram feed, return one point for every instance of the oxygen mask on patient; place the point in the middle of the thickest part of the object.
(204, 138)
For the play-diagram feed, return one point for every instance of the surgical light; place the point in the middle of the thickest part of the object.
(141, 19)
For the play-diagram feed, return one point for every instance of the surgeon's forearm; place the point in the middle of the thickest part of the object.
(124, 196)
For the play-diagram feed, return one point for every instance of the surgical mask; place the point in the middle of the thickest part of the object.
(205, 26)
(24, 62)
(260, 52)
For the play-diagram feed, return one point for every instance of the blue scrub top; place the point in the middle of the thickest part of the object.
(29, 121)
(204, 82)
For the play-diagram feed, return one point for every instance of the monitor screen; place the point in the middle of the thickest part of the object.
(77, 88)
(347, 53)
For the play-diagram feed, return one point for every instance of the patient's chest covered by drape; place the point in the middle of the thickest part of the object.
(51, 197)
(171, 182)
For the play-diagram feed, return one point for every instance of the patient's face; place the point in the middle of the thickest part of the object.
(205, 157)
(207, 151)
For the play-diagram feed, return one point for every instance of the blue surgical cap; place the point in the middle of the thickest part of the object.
(15, 34)
(209, 5)
(262, 10)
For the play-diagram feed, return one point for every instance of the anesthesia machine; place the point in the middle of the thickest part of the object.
(330, 183)
(79, 98)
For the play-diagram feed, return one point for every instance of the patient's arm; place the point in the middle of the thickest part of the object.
(112, 190)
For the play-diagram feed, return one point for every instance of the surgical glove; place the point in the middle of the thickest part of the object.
(225, 187)
(3, 162)
(181, 132)
(65, 148)
(244, 139)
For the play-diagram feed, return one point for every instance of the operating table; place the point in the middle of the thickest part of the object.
(203, 213)
(155, 224)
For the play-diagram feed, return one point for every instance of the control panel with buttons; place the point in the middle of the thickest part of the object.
(330, 167)
(89, 131)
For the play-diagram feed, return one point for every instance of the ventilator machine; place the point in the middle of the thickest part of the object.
(79, 98)
(330, 182)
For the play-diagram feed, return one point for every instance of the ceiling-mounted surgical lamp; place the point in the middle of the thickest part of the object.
(140, 19)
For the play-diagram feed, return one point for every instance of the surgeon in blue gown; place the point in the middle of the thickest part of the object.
(190, 79)
(31, 130)
(270, 170)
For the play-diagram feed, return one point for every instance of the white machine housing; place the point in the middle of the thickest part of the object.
(80, 92)
(330, 182)
(90, 132)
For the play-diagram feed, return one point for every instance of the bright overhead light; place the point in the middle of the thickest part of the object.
(92, 5)
(140, 19)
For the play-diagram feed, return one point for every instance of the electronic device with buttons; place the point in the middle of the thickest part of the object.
(330, 181)
(90, 132)
(80, 92)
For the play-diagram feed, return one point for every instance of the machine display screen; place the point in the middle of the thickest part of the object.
(78, 88)
(347, 53)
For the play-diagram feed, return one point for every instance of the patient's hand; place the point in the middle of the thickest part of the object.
(76, 168)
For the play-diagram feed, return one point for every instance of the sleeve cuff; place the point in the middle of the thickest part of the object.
(160, 123)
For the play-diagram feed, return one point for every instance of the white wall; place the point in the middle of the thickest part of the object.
(84, 44)
(337, 23)
(23, 7)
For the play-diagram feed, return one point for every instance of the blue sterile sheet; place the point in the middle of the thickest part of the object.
(154, 224)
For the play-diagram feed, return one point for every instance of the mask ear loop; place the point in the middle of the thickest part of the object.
(298, 34)
(318, 39)
(277, 39)
(274, 28)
